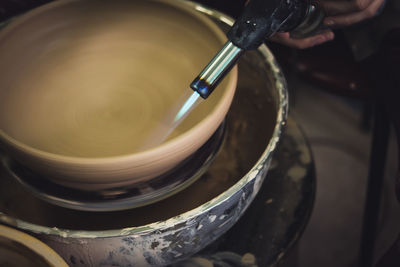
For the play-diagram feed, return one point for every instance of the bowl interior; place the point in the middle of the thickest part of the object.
(96, 78)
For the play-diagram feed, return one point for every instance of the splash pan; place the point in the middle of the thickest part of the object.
(120, 198)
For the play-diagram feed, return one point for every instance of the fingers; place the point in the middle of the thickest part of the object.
(355, 17)
(335, 7)
(285, 39)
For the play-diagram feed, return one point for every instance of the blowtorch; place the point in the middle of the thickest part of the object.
(260, 19)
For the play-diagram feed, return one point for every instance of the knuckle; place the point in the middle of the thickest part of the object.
(360, 4)
(347, 21)
(369, 13)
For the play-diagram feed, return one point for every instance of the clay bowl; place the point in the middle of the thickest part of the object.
(85, 83)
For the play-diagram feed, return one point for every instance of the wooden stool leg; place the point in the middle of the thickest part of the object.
(374, 186)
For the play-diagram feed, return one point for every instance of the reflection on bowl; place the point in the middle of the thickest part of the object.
(84, 83)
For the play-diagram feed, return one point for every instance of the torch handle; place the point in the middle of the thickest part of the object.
(262, 18)
(259, 20)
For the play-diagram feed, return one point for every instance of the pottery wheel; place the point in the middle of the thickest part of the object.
(180, 225)
(120, 198)
(249, 126)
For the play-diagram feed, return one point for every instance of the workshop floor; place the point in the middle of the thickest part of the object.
(341, 152)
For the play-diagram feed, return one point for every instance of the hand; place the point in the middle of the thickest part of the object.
(346, 12)
(285, 39)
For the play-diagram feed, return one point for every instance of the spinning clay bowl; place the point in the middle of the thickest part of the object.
(85, 83)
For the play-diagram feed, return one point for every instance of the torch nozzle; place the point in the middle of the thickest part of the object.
(216, 70)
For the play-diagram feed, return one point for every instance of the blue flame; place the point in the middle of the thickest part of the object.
(187, 106)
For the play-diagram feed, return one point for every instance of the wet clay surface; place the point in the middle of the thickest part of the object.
(250, 123)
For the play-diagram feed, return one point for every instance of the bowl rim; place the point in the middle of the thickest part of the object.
(167, 148)
(250, 176)
(38, 247)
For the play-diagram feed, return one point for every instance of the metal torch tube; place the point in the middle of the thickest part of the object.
(218, 67)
